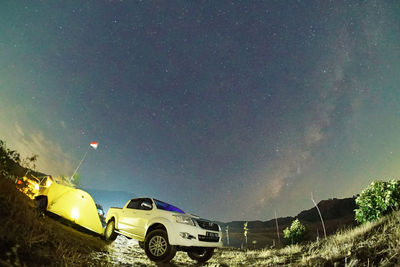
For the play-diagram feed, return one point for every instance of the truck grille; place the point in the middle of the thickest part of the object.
(208, 225)
(208, 238)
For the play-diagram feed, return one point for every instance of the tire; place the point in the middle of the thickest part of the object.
(201, 254)
(109, 232)
(41, 204)
(141, 244)
(157, 247)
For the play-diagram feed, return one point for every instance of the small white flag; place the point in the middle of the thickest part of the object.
(94, 144)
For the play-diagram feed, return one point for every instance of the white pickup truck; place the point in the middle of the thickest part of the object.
(163, 229)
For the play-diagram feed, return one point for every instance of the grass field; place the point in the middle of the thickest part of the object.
(30, 239)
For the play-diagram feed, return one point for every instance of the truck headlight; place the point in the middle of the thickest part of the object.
(183, 219)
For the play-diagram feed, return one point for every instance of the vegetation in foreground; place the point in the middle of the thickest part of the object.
(295, 233)
(371, 244)
(378, 199)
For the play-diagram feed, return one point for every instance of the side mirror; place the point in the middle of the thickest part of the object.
(146, 206)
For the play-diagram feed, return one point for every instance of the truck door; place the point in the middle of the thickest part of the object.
(127, 215)
(135, 217)
(143, 214)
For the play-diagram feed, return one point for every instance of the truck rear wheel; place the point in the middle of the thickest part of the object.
(41, 203)
(109, 232)
(157, 247)
(201, 254)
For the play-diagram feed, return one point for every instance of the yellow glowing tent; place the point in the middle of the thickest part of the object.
(72, 204)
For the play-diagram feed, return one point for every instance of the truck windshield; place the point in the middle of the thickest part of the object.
(165, 206)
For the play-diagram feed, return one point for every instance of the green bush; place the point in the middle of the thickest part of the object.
(378, 199)
(8, 159)
(295, 233)
(11, 163)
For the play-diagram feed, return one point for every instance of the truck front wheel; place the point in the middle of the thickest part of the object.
(141, 244)
(201, 254)
(157, 247)
(109, 232)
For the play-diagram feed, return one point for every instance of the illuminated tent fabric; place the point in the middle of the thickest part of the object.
(74, 205)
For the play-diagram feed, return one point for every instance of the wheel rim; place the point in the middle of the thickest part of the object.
(158, 245)
(110, 229)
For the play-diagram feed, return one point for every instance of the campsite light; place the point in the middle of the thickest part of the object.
(37, 187)
(48, 183)
(75, 214)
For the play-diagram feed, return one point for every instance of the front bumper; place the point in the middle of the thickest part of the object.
(193, 236)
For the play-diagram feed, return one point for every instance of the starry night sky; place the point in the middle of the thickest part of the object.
(228, 109)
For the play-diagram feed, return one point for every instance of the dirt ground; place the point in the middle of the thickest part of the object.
(126, 252)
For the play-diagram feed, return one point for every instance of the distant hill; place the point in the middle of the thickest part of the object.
(330, 209)
(337, 214)
(110, 198)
